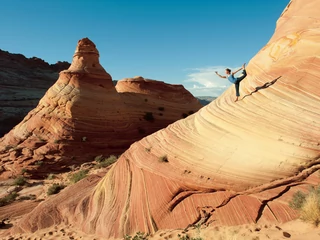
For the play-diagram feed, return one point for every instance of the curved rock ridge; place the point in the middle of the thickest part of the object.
(228, 164)
(82, 116)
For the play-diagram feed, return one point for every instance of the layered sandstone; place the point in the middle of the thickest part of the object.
(82, 116)
(23, 81)
(230, 163)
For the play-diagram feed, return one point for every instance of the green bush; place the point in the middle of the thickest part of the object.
(187, 237)
(19, 181)
(55, 188)
(308, 205)
(107, 162)
(51, 176)
(298, 199)
(28, 197)
(76, 177)
(38, 163)
(99, 158)
(8, 199)
(138, 236)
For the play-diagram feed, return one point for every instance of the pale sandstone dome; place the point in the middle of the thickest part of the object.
(82, 116)
(228, 164)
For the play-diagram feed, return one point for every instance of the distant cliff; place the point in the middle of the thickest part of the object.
(23, 81)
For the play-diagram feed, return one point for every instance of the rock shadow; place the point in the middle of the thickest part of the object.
(266, 85)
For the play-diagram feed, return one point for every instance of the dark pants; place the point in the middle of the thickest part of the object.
(237, 83)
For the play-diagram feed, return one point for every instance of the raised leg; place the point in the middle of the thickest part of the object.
(244, 74)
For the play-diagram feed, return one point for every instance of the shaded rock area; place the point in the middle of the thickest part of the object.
(23, 81)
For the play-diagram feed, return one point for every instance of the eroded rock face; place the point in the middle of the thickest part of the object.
(23, 81)
(82, 116)
(230, 163)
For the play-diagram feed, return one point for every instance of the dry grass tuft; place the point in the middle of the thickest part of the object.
(310, 210)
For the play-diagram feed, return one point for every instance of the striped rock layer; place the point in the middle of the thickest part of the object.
(230, 163)
(83, 115)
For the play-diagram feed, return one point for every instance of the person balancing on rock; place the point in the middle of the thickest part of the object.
(235, 80)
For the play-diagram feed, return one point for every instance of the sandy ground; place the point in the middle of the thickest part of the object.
(296, 230)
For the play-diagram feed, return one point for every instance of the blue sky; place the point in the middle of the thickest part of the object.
(179, 42)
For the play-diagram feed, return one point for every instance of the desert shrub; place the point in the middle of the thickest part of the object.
(99, 158)
(297, 200)
(76, 177)
(138, 236)
(107, 161)
(310, 210)
(38, 163)
(19, 181)
(23, 170)
(163, 158)
(308, 204)
(55, 188)
(161, 108)
(148, 116)
(51, 176)
(28, 197)
(191, 112)
(187, 237)
(8, 199)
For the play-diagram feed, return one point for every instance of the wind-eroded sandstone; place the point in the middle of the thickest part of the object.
(228, 164)
(82, 116)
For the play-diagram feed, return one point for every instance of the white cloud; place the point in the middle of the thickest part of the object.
(205, 82)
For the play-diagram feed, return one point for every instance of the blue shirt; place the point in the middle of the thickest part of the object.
(231, 78)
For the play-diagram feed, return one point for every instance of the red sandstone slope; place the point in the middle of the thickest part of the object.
(230, 163)
(82, 116)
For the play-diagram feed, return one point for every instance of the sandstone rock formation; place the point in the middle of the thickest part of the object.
(23, 81)
(82, 116)
(230, 163)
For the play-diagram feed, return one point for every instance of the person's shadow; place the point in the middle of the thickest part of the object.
(266, 85)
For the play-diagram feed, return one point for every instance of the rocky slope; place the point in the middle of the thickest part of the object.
(228, 164)
(82, 116)
(23, 81)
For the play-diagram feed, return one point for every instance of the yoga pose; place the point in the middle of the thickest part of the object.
(235, 80)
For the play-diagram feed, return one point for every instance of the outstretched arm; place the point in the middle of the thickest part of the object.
(220, 75)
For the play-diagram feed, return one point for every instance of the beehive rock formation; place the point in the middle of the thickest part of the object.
(82, 116)
(230, 163)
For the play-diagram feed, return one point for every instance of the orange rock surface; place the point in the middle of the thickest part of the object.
(82, 116)
(228, 164)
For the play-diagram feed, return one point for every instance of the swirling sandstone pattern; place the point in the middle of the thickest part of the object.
(82, 116)
(230, 163)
